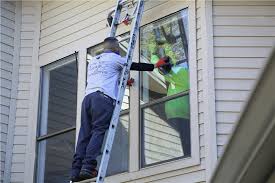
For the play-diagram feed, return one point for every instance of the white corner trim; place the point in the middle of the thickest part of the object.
(12, 112)
(30, 155)
(81, 85)
(208, 88)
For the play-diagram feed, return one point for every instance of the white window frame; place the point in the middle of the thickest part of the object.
(43, 120)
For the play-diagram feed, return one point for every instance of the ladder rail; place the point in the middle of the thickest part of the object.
(116, 18)
(122, 86)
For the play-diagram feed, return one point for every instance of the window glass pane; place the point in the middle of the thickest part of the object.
(62, 96)
(119, 159)
(165, 130)
(96, 50)
(164, 137)
(166, 37)
(55, 158)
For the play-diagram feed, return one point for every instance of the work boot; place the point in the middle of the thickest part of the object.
(75, 179)
(87, 174)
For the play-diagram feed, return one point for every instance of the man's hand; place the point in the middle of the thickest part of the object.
(130, 82)
(162, 62)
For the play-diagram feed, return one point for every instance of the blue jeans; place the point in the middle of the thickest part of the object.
(96, 113)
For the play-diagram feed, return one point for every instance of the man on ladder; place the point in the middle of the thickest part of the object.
(101, 93)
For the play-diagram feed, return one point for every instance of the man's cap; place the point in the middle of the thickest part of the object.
(110, 39)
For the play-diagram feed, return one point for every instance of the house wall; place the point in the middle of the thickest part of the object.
(71, 26)
(244, 33)
(8, 74)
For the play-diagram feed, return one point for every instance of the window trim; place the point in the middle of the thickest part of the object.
(194, 122)
(43, 115)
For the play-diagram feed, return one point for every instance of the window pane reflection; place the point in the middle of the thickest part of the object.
(119, 159)
(166, 37)
(164, 138)
(56, 157)
(62, 98)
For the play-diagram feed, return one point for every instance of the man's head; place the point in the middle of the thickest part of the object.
(111, 44)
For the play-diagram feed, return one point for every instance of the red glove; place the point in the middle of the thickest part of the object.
(130, 82)
(162, 62)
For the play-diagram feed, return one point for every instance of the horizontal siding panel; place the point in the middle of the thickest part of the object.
(24, 77)
(26, 51)
(5, 92)
(8, 5)
(66, 9)
(7, 48)
(7, 31)
(4, 109)
(25, 69)
(27, 19)
(231, 95)
(5, 82)
(23, 95)
(75, 16)
(27, 35)
(245, 63)
(17, 177)
(5, 101)
(8, 23)
(24, 86)
(25, 61)
(22, 112)
(231, 106)
(27, 43)
(244, 31)
(246, 52)
(18, 158)
(7, 39)
(73, 37)
(21, 120)
(22, 104)
(4, 118)
(17, 167)
(21, 130)
(4, 128)
(244, 3)
(52, 5)
(27, 27)
(19, 149)
(224, 128)
(244, 21)
(244, 41)
(222, 139)
(6, 57)
(74, 28)
(8, 14)
(244, 10)
(6, 65)
(232, 73)
(227, 117)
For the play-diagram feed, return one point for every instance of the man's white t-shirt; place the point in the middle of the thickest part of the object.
(104, 73)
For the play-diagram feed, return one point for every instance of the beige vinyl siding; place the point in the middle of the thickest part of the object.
(7, 55)
(244, 33)
(22, 114)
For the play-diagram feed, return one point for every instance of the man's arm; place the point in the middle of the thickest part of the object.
(142, 67)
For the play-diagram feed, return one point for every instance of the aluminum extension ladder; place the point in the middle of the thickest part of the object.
(123, 81)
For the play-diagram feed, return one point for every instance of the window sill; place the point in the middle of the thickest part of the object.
(156, 170)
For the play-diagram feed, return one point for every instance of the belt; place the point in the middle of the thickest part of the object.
(107, 96)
